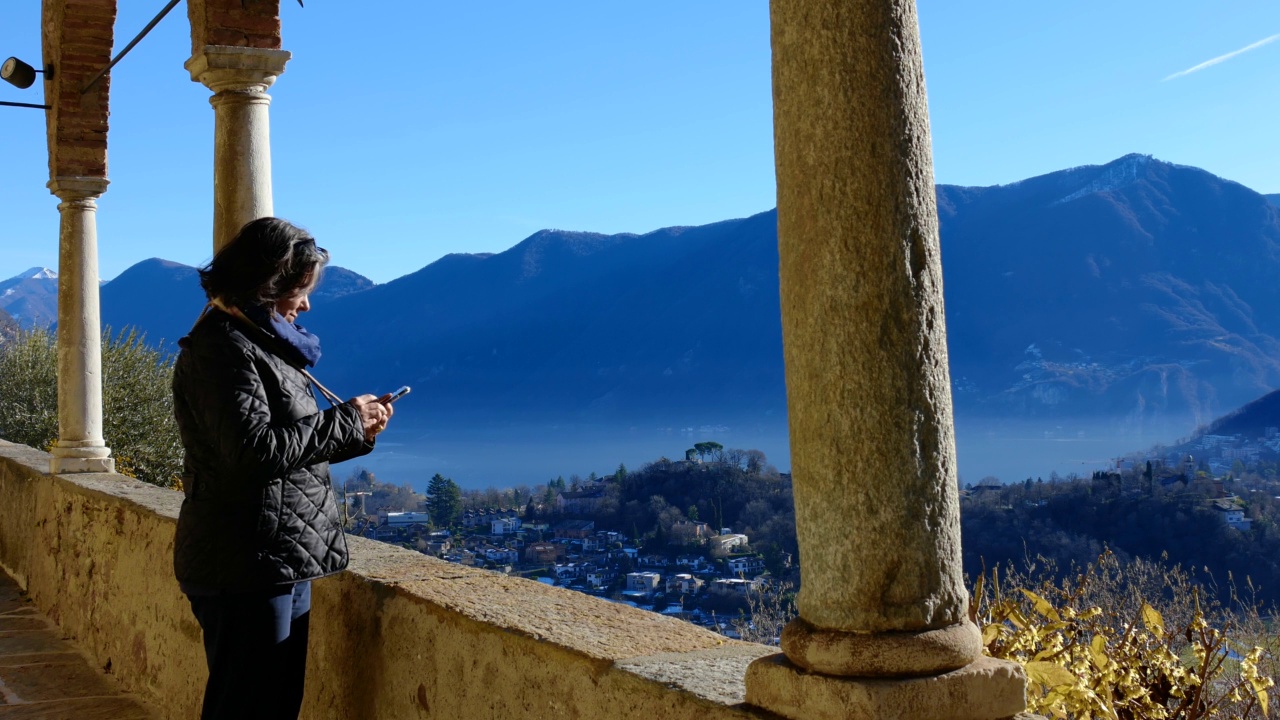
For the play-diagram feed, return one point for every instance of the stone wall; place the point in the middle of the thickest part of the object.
(397, 635)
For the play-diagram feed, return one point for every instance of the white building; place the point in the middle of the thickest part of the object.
(504, 526)
(403, 519)
(643, 582)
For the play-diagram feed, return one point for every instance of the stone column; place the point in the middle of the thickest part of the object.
(80, 446)
(869, 399)
(239, 78)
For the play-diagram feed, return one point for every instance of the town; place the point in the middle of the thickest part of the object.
(594, 536)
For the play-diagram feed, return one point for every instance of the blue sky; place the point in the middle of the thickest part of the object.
(427, 128)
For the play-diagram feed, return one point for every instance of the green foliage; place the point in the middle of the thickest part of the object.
(138, 419)
(444, 500)
(137, 399)
(1126, 642)
(29, 390)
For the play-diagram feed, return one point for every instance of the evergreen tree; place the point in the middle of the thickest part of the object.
(444, 500)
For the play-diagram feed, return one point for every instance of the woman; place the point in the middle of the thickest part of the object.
(259, 521)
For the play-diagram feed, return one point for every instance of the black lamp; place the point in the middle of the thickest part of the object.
(18, 74)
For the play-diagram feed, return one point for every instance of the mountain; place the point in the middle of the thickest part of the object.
(164, 298)
(1135, 289)
(1274, 198)
(31, 297)
(338, 282)
(1250, 421)
(680, 322)
(158, 297)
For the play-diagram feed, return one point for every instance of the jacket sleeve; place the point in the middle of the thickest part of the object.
(252, 443)
(366, 447)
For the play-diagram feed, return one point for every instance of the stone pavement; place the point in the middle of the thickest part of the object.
(44, 677)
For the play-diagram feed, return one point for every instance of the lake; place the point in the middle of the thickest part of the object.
(506, 456)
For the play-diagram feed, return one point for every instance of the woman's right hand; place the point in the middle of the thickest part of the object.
(374, 414)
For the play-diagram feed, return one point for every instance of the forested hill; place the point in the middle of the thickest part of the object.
(1072, 521)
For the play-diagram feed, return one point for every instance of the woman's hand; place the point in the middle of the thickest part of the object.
(374, 413)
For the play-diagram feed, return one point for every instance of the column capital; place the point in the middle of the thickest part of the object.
(223, 68)
(71, 188)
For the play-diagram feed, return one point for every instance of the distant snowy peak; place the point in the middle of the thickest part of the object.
(1113, 176)
(37, 273)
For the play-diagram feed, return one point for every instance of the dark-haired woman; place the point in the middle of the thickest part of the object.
(259, 521)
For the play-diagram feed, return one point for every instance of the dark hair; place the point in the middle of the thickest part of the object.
(268, 259)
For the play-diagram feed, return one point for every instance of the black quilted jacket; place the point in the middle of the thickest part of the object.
(259, 510)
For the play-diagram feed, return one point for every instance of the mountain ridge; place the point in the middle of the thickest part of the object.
(1130, 289)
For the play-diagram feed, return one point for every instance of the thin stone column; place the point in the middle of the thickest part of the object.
(869, 399)
(239, 78)
(80, 446)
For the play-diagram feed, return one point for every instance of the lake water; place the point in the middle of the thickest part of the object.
(506, 456)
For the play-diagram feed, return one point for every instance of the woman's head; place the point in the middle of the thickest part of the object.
(269, 261)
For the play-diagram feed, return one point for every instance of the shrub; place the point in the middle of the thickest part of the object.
(1136, 641)
(137, 398)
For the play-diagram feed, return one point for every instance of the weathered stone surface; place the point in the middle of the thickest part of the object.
(54, 681)
(9, 623)
(716, 674)
(880, 654)
(987, 689)
(38, 658)
(113, 708)
(869, 399)
(239, 78)
(80, 446)
(42, 676)
(25, 643)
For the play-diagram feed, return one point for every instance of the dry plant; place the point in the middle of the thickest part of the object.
(1127, 641)
(769, 609)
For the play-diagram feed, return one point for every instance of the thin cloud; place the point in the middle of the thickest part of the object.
(1223, 58)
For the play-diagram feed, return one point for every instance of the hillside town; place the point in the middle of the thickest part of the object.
(691, 569)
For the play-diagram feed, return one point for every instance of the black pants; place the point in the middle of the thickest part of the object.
(256, 645)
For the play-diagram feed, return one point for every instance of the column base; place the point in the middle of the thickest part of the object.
(987, 689)
(889, 654)
(60, 465)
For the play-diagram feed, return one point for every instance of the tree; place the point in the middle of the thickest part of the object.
(137, 400)
(621, 474)
(709, 447)
(444, 500)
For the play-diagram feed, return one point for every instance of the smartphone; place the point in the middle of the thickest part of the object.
(398, 394)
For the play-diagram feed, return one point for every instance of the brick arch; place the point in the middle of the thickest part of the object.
(236, 23)
(77, 38)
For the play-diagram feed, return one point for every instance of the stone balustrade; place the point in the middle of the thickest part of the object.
(398, 635)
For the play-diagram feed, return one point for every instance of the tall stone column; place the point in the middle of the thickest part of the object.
(80, 446)
(869, 399)
(239, 78)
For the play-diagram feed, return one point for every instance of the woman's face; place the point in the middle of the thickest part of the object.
(289, 306)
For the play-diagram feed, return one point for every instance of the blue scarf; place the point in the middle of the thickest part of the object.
(304, 346)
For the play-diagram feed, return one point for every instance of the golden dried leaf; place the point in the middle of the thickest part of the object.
(1153, 620)
(1098, 652)
(1049, 674)
(1042, 606)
